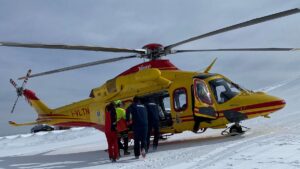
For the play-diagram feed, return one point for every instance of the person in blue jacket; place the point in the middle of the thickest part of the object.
(139, 117)
(153, 122)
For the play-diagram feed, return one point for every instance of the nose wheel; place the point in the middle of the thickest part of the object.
(235, 129)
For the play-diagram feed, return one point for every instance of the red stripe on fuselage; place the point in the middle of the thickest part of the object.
(249, 113)
(58, 118)
(260, 105)
(49, 115)
(254, 106)
(258, 112)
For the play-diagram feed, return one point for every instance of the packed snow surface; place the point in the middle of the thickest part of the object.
(271, 143)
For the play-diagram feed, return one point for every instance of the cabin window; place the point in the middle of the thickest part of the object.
(224, 90)
(180, 99)
(202, 92)
(166, 103)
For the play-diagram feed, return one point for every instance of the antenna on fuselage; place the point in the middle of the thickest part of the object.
(210, 66)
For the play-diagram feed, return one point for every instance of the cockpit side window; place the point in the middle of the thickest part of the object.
(202, 92)
(223, 90)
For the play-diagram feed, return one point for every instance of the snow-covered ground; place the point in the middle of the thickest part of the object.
(271, 143)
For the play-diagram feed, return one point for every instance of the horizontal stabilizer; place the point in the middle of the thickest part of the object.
(25, 124)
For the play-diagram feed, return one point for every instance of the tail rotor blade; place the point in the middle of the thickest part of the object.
(13, 108)
(13, 83)
(26, 78)
(19, 89)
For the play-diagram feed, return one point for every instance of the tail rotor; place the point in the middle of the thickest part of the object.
(19, 90)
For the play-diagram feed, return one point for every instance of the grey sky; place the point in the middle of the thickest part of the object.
(132, 24)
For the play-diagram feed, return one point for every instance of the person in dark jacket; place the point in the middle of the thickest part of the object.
(153, 122)
(139, 117)
(111, 132)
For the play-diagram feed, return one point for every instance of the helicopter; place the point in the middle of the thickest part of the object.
(186, 98)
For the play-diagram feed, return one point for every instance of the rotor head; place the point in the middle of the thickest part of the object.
(154, 51)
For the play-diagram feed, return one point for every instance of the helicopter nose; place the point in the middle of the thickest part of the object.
(281, 103)
(275, 103)
(263, 104)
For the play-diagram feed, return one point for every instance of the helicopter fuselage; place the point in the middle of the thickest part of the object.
(182, 96)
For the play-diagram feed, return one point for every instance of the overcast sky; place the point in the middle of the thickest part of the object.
(132, 24)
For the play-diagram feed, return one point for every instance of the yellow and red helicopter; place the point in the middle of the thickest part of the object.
(183, 96)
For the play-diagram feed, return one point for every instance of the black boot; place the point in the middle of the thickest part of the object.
(126, 153)
(196, 125)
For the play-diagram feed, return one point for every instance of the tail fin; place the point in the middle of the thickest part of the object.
(36, 103)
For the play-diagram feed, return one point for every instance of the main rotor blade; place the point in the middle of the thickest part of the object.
(71, 47)
(80, 66)
(237, 26)
(237, 49)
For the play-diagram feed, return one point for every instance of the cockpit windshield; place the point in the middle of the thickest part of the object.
(224, 90)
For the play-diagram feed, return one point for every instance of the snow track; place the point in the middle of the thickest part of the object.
(271, 143)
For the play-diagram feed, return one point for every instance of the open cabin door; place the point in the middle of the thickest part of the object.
(203, 102)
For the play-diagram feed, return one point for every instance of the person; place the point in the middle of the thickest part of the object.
(138, 113)
(197, 122)
(111, 133)
(153, 122)
(121, 127)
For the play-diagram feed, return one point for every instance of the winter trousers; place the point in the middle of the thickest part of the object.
(123, 135)
(112, 142)
(155, 134)
(140, 140)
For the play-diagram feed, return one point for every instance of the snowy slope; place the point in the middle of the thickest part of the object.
(271, 143)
